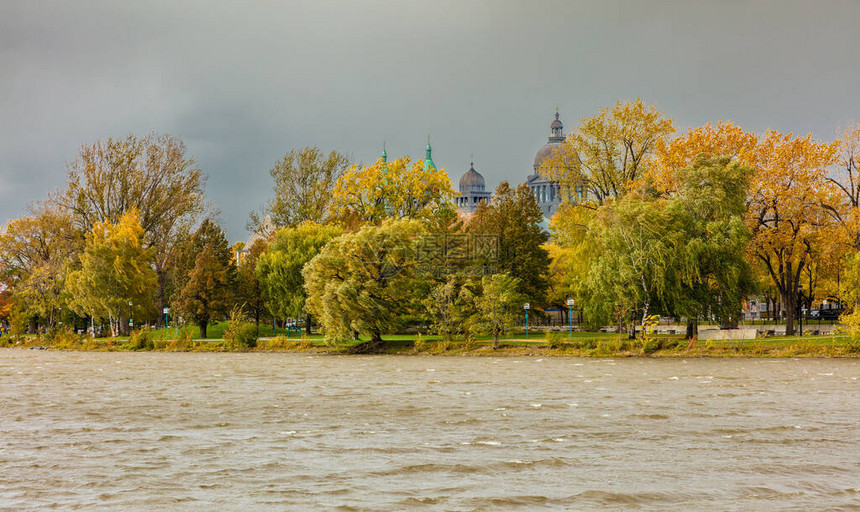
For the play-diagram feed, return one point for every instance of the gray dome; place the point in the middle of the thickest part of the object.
(544, 152)
(472, 181)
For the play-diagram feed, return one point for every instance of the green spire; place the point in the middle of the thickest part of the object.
(384, 153)
(428, 160)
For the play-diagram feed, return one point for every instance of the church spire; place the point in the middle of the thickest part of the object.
(428, 160)
(557, 129)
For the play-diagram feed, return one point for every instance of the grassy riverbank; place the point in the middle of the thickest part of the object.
(581, 344)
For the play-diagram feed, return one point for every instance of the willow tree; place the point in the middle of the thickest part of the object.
(711, 275)
(364, 281)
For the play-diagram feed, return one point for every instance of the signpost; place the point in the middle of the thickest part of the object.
(166, 324)
(570, 304)
(527, 306)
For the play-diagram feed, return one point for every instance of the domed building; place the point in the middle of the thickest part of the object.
(472, 191)
(546, 191)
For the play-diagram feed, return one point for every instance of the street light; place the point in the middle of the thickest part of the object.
(800, 307)
(570, 304)
(130, 315)
(527, 306)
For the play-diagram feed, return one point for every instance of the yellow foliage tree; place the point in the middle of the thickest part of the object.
(397, 189)
(607, 153)
(115, 269)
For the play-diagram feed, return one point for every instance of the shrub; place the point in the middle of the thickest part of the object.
(185, 340)
(419, 344)
(558, 340)
(240, 335)
(65, 338)
(141, 339)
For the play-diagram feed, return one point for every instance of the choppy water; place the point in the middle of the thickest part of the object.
(174, 431)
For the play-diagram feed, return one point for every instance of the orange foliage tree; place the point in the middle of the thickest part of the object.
(792, 203)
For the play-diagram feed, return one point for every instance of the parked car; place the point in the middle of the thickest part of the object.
(825, 314)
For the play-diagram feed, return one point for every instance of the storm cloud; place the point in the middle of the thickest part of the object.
(244, 82)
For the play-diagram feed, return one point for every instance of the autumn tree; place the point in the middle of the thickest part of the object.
(186, 251)
(152, 175)
(304, 182)
(397, 189)
(208, 291)
(498, 305)
(514, 217)
(364, 281)
(279, 271)
(605, 154)
(35, 251)
(789, 209)
(846, 177)
(115, 276)
(723, 139)
(249, 290)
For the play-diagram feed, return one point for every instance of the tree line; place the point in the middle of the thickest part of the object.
(651, 222)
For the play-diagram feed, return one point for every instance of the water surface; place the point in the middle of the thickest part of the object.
(184, 431)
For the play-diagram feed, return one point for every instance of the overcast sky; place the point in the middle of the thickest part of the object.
(244, 82)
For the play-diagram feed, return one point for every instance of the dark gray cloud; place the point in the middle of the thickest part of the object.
(244, 82)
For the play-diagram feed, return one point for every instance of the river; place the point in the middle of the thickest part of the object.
(220, 431)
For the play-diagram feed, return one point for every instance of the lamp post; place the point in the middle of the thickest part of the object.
(527, 306)
(166, 323)
(800, 308)
(130, 315)
(570, 304)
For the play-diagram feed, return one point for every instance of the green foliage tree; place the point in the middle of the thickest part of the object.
(515, 218)
(450, 307)
(498, 306)
(364, 281)
(279, 271)
(249, 290)
(710, 240)
(115, 270)
(631, 255)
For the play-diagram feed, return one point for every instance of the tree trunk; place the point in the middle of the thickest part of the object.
(692, 328)
(308, 324)
(162, 279)
(202, 324)
(495, 340)
(787, 303)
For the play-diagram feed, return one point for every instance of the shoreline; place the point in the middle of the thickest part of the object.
(828, 348)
